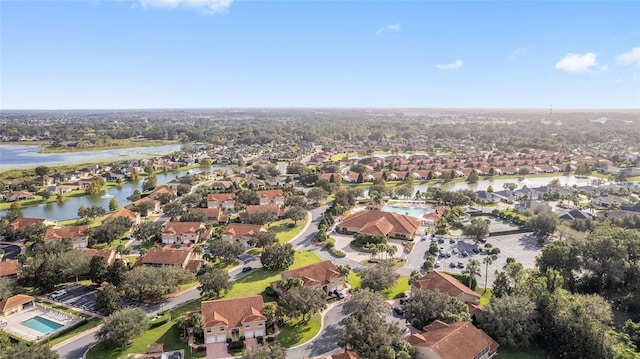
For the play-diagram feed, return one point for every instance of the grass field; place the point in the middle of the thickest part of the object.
(94, 322)
(296, 333)
(486, 295)
(283, 232)
(402, 285)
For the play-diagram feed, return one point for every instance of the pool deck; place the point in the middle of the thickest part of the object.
(14, 322)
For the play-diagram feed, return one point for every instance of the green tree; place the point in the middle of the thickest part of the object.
(564, 256)
(487, 262)
(263, 238)
(41, 171)
(149, 183)
(295, 201)
(151, 283)
(543, 224)
(33, 350)
(136, 195)
(113, 204)
(429, 305)
(214, 281)
(472, 270)
(148, 232)
(108, 300)
(296, 214)
(478, 228)
(378, 278)
(116, 272)
(123, 326)
(261, 217)
(512, 320)
(303, 301)
(228, 251)
(473, 177)
(316, 194)
(98, 270)
(271, 351)
(277, 256)
(6, 288)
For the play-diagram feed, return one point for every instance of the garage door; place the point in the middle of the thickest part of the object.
(209, 340)
(249, 334)
(259, 333)
(221, 338)
(215, 339)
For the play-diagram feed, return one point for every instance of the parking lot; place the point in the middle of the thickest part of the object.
(84, 297)
(521, 246)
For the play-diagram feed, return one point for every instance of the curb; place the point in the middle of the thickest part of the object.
(324, 312)
(304, 229)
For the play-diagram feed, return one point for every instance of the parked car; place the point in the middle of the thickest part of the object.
(476, 250)
(465, 254)
(440, 240)
(437, 264)
(452, 241)
(448, 254)
(460, 265)
(398, 310)
(338, 294)
(452, 265)
(246, 269)
(260, 340)
(455, 251)
(424, 238)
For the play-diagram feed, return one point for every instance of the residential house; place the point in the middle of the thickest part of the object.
(324, 275)
(233, 318)
(127, 213)
(221, 200)
(162, 257)
(78, 235)
(631, 207)
(255, 183)
(109, 254)
(22, 223)
(447, 284)
(273, 196)
(215, 216)
(531, 206)
(250, 210)
(459, 340)
(378, 223)
(573, 214)
(16, 304)
(154, 205)
(240, 232)
(182, 232)
(18, 196)
(221, 185)
(9, 268)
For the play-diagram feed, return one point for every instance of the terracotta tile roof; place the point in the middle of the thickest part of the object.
(444, 283)
(12, 302)
(320, 273)
(381, 222)
(460, 340)
(215, 213)
(8, 267)
(124, 212)
(347, 354)
(273, 193)
(109, 255)
(165, 257)
(182, 227)
(193, 265)
(221, 197)
(232, 312)
(241, 229)
(251, 209)
(22, 222)
(66, 232)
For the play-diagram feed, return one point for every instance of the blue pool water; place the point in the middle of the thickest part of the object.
(409, 211)
(42, 325)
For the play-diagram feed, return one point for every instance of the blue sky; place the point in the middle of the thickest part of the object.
(225, 53)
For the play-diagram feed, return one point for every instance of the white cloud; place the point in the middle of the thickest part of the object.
(517, 53)
(392, 27)
(454, 65)
(630, 57)
(208, 6)
(577, 62)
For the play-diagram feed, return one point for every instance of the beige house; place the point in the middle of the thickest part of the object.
(221, 200)
(274, 196)
(78, 235)
(125, 212)
(109, 254)
(323, 275)
(240, 232)
(23, 223)
(182, 232)
(16, 304)
(460, 340)
(447, 284)
(163, 257)
(233, 318)
(250, 210)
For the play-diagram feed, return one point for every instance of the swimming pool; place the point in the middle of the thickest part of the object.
(42, 325)
(409, 211)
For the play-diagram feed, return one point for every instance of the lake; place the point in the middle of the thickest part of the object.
(27, 156)
(69, 208)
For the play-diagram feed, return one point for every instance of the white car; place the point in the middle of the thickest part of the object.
(455, 251)
(437, 265)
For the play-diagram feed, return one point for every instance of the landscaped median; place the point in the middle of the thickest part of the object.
(253, 283)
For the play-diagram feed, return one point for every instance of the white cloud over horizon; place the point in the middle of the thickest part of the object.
(207, 6)
(630, 57)
(577, 62)
(454, 65)
(392, 27)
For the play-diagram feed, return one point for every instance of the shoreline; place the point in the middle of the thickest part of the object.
(115, 146)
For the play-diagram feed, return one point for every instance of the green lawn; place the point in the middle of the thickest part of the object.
(298, 333)
(94, 322)
(340, 156)
(517, 353)
(486, 295)
(283, 232)
(402, 285)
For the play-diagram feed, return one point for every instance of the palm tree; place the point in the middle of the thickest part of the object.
(374, 249)
(198, 250)
(486, 261)
(473, 270)
(391, 250)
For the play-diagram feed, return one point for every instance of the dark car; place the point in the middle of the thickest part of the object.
(452, 265)
(465, 254)
(403, 301)
(398, 310)
(338, 294)
(440, 240)
(246, 269)
(452, 241)
(476, 250)
(260, 340)
(460, 265)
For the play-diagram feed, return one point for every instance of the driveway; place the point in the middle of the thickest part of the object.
(217, 351)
